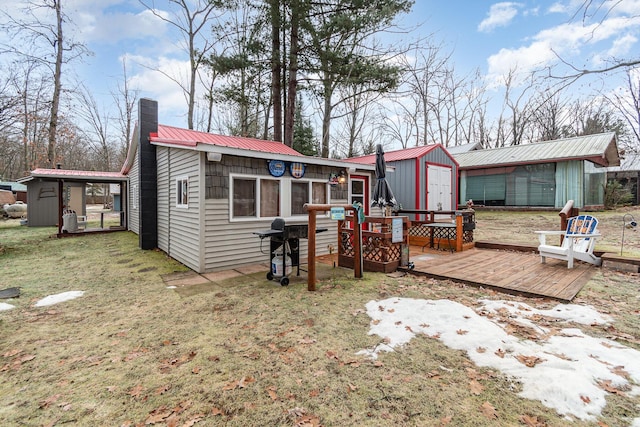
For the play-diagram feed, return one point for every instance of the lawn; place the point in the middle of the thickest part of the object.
(246, 352)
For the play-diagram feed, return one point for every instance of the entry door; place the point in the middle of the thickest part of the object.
(359, 192)
(439, 187)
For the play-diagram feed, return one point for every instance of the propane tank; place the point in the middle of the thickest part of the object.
(277, 267)
(276, 263)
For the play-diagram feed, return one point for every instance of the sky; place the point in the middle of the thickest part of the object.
(493, 37)
(563, 368)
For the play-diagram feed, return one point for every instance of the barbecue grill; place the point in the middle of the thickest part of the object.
(284, 248)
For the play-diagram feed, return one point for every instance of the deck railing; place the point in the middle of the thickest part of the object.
(437, 230)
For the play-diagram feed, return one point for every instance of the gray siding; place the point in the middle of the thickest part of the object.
(162, 156)
(403, 182)
(134, 197)
(42, 203)
(184, 223)
(231, 244)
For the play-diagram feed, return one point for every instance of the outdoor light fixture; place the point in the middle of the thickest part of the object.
(342, 178)
(627, 222)
(214, 157)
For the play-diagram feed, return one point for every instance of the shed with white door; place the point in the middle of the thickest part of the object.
(421, 178)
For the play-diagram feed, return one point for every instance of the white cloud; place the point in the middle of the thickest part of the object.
(595, 43)
(622, 45)
(112, 28)
(499, 15)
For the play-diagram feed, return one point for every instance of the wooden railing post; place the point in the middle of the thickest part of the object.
(311, 252)
(311, 241)
(459, 232)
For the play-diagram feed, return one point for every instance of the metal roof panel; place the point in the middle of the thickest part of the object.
(600, 148)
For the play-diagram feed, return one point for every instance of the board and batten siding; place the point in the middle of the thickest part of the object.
(232, 244)
(402, 182)
(183, 223)
(134, 197)
(162, 157)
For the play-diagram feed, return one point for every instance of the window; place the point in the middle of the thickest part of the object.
(182, 192)
(319, 193)
(299, 196)
(244, 197)
(307, 192)
(269, 198)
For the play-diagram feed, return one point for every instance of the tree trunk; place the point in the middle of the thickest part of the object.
(57, 87)
(293, 75)
(276, 70)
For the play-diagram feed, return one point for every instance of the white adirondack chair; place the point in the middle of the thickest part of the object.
(578, 242)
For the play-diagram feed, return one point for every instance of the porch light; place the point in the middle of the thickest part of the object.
(342, 178)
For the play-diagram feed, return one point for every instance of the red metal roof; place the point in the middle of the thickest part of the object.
(49, 172)
(190, 138)
(68, 173)
(396, 155)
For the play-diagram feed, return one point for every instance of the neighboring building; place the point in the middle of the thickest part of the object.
(19, 190)
(627, 174)
(49, 191)
(199, 197)
(422, 178)
(544, 174)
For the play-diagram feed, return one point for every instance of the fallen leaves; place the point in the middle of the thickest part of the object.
(489, 411)
(167, 364)
(17, 362)
(475, 387)
(529, 361)
(238, 384)
(532, 421)
(169, 415)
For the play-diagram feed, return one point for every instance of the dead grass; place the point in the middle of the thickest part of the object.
(245, 351)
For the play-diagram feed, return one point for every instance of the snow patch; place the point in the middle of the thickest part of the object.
(55, 299)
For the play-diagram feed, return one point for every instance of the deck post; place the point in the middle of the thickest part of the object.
(311, 252)
(311, 242)
(459, 232)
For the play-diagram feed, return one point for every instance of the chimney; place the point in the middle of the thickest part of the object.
(148, 174)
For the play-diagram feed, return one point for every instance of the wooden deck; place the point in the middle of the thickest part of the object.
(505, 271)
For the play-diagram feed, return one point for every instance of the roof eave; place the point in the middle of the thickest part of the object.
(244, 152)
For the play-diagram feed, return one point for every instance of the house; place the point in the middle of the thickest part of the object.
(422, 178)
(544, 174)
(199, 197)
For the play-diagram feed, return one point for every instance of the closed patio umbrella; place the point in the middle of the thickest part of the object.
(382, 194)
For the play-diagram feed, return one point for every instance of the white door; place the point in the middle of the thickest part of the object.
(439, 188)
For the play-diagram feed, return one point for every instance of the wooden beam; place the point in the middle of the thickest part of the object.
(311, 242)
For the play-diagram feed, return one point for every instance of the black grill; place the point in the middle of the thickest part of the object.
(287, 236)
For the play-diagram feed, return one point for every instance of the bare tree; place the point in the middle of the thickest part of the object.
(592, 14)
(126, 100)
(97, 131)
(626, 101)
(190, 18)
(47, 43)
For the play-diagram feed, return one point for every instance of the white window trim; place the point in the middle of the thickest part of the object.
(285, 196)
(309, 182)
(178, 187)
(134, 196)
